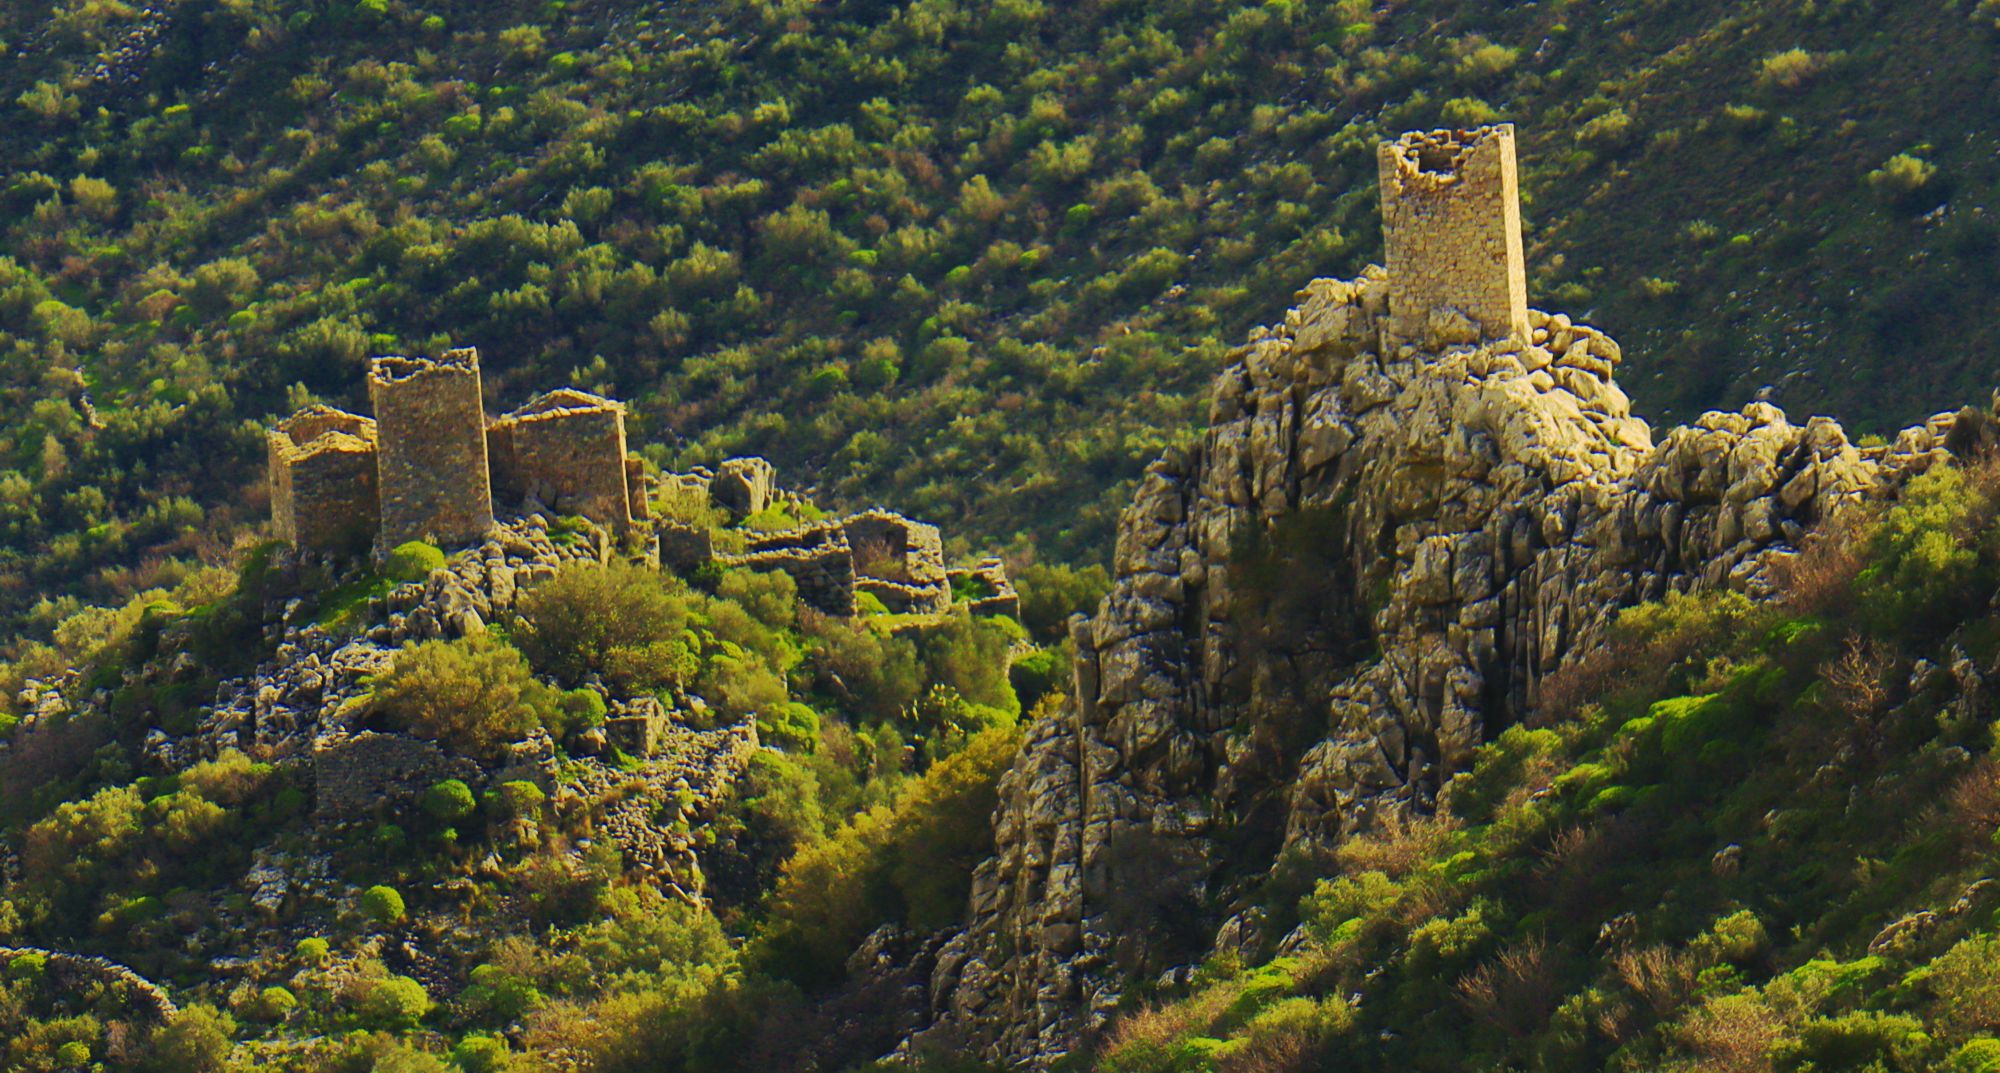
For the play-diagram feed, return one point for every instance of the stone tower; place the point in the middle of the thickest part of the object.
(432, 476)
(566, 448)
(1451, 227)
(322, 472)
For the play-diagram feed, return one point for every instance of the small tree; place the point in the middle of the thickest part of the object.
(624, 622)
(473, 694)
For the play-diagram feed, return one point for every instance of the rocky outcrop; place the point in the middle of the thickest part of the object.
(1367, 565)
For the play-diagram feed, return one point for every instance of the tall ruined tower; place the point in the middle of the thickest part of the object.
(432, 476)
(1451, 226)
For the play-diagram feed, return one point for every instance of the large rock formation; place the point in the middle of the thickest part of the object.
(1367, 565)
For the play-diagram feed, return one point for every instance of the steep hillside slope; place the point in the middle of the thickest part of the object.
(975, 259)
(1371, 563)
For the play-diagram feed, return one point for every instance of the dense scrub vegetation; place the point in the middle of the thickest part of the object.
(867, 805)
(977, 260)
(1742, 837)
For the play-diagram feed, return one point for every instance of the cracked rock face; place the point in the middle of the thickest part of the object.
(1365, 568)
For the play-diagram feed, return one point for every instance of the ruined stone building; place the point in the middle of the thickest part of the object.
(1451, 229)
(322, 474)
(429, 466)
(566, 449)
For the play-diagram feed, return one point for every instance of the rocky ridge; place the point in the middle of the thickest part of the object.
(1367, 565)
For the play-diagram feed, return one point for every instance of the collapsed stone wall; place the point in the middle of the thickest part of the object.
(1451, 230)
(818, 559)
(356, 774)
(743, 486)
(322, 478)
(988, 576)
(79, 974)
(565, 449)
(899, 561)
(432, 476)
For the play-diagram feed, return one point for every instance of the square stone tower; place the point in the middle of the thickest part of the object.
(567, 449)
(322, 472)
(432, 475)
(1451, 228)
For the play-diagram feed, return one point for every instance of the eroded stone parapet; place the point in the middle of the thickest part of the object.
(322, 479)
(432, 473)
(565, 449)
(1451, 229)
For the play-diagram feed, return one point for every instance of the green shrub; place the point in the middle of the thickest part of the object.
(474, 695)
(624, 622)
(394, 1002)
(480, 1053)
(449, 801)
(413, 561)
(1789, 69)
(383, 905)
(312, 952)
(195, 1041)
(1925, 564)
(274, 1003)
(1977, 1056)
(791, 726)
(521, 800)
(1862, 1041)
(909, 862)
(1904, 181)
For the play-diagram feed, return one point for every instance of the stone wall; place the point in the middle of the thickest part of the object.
(637, 502)
(79, 974)
(357, 774)
(567, 450)
(818, 559)
(899, 561)
(322, 476)
(989, 577)
(1451, 230)
(432, 471)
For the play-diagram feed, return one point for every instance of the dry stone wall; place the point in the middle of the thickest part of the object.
(432, 469)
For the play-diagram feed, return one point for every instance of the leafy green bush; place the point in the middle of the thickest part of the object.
(474, 694)
(909, 862)
(383, 905)
(449, 801)
(624, 622)
(394, 1002)
(412, 561)
(1929, 554)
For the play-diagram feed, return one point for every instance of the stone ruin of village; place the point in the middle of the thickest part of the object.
(431, 466)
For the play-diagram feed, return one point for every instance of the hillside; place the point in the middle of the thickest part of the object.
(976, 260)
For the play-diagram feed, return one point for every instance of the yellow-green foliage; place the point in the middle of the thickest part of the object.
(909, 862)
(474, 694)
(624, 622)
(1929, 552)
